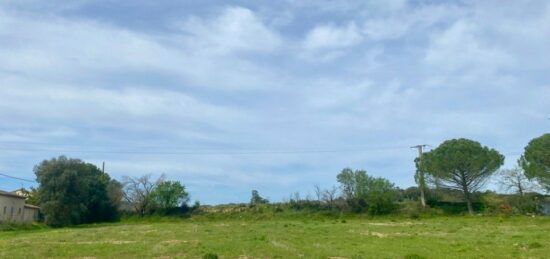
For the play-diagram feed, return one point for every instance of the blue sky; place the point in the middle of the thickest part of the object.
(230, 96)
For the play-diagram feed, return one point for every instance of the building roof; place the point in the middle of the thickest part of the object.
(31, 206)
(11, 194)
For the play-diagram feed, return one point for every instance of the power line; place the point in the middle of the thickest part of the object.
(35, 144)
(206, 152)
(17, 178)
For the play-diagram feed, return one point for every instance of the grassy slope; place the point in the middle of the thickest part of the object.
(450, 237)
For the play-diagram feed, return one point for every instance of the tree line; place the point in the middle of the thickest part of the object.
(72, 191)
(454, 171)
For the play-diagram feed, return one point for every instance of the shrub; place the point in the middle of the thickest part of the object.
(534, 245)
(380, 196)
(210, 256)
(411, 209)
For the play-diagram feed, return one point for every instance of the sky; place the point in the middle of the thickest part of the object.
(276, 96)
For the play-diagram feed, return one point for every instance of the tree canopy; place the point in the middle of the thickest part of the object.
(462, 164)
(376, 194)
(536, 160)
(169, 194)
(74, 192)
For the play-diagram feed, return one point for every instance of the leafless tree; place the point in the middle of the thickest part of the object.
(137, 191)
(318, 192)
(329, 196)
(514, 180)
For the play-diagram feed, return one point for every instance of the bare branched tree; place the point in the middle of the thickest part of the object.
(514, 180)
(318, 192)
(137, 191)
(329, 196)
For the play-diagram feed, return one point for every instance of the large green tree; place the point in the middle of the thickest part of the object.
(462, 164)
(74, 192)
(536, 160)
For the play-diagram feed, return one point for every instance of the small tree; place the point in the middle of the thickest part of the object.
(462, 164)
(514, 180)
(329, 196)
(361, 191)
(257, 199)
(318, 192)
(348, 183)
(137, 192)
(170, 194)
(536, 160)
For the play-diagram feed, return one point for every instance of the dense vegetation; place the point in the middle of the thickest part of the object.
(73, 192)
(449, 179)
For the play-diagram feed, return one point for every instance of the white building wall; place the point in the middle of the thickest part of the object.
(12, 208)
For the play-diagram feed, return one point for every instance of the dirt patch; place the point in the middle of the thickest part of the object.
(222, 225)
(377, 234)
(279, 245)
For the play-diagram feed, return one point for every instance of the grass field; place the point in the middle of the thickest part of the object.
(440, 237)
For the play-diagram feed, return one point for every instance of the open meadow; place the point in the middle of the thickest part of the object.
(438, 237)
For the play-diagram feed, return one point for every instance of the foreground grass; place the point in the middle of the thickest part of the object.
(448, 237)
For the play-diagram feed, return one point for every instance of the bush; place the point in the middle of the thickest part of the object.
(12, 226)
(455, 207)
(496, 204)
(210, 256)
(526, 204)
(381, 196)
(412, 209)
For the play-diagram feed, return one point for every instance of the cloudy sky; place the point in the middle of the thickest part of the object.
(270, 95)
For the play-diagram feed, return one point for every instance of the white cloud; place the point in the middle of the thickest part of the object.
(69, 50)
(236, 29)
(459, 47)
(330, 36)
(344, 74)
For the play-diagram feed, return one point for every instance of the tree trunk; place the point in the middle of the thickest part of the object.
(422, 198)
(467, 194)
(470, 209)
(468, 201)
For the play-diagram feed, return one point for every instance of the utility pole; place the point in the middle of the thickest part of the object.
(421, 181)
(103, 167)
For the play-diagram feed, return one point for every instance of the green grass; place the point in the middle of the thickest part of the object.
(438, 237)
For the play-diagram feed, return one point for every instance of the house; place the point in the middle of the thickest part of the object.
(14, 209)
